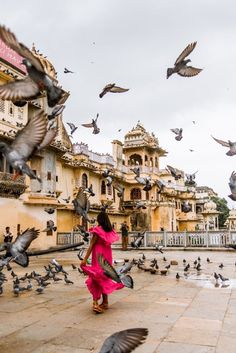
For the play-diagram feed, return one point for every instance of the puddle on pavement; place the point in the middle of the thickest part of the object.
(209, 282)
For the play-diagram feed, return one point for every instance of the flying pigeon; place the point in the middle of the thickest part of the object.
(111, 87)
(37, 80)
(178, 133)
(72, 127)
(50, 226)
(124, 341)
(140, 204)
(160, 185)
(232, 185)
(93, 124)
(26, 142)
(120, 190)
(106, 173)
(20, 245)
(67, 200)
(89, 190)
(138, 241)
(181, 67)
(144, 181)
(57, 110)
(186, 207)
(85, 235)
(174, 172)
(81, 204)
(66, 71)
(110, 272)
(190, 179)
(229, 144)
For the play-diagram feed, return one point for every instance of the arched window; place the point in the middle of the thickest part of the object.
(103, 187)
(84, 180)
(109, 189)
(135, 159)
(135, 194)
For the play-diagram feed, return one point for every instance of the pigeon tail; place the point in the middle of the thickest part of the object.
(127, 281)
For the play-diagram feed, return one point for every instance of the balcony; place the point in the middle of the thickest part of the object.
(11, 188)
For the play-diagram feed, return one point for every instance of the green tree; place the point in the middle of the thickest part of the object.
(222, 208)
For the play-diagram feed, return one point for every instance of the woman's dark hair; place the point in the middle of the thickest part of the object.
(104, 221)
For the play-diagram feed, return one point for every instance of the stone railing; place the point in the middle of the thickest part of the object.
(10, 187)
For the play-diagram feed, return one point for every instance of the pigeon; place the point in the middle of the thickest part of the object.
(57, 110)
(110, 272)
(35, 82)
(74, 267)
(198, 267)
(106, 173)
(231, 145)
(190, 179)
(232, 185)
(81, 204)
(144, 181)
(223, 279)
(67, 200)
(40, 290)
(20, 245)
(26, 142)
(160, 185)
(1, 289)
(66, 71)
(84, 233)
(49, 210)
(216, 277)
(186, 207)
(120, 190)
(67, 281)
(221, 266)
(138, 241)
(140, 204)
(181, 67)
(72, 127)
(89, 190)
(208, 260)
(50, 227)
(159, 248)
(93, 124)
(191, 150)
(124, 341)
(111, 87)
(178, 133)
(174, 172)
(177, 275)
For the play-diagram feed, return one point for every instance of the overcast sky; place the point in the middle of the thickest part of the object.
(131, 43)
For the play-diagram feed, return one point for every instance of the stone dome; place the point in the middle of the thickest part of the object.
(232, 213)
(210, 206)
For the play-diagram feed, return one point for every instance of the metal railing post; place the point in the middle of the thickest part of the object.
(165, 238)
(185, 239)
(207, 239)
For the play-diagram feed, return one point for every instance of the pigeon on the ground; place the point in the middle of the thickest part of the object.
(37, 80)
(221, 265)
(223, 279)
(124, 341)
(81, 204)
(178, 133)
(72, 127)
(67, 281)
(181, 67)
(110, 272)
(177, 275)
(66, 71)
(50, 227)
(231, 145)
(26, 142)
(74, 267)
(20, 245)
(93, 125)
(111, 87)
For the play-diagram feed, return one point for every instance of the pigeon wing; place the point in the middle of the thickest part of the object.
(19, 89)
(221, 142)
(30, 136)
(21, 244)
(108, 269)
(189, 71)
(185, 52)
(48, 138)
(175, 131)
(117, 89)
(71, 125)
(10, 40)
(124, 341)
(81, 198)
(87, 125)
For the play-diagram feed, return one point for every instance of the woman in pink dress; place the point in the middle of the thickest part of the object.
(99, 284)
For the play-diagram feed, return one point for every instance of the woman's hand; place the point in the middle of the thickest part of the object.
(83, 262)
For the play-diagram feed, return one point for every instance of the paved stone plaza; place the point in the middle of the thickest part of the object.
(186, 316)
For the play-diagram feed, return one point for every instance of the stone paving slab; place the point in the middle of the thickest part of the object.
(190, 315)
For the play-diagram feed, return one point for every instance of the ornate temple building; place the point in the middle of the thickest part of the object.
(65, 167)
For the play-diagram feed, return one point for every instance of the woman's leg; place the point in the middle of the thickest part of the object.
(104, 304)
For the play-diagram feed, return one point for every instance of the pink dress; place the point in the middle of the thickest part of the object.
(98, 283)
